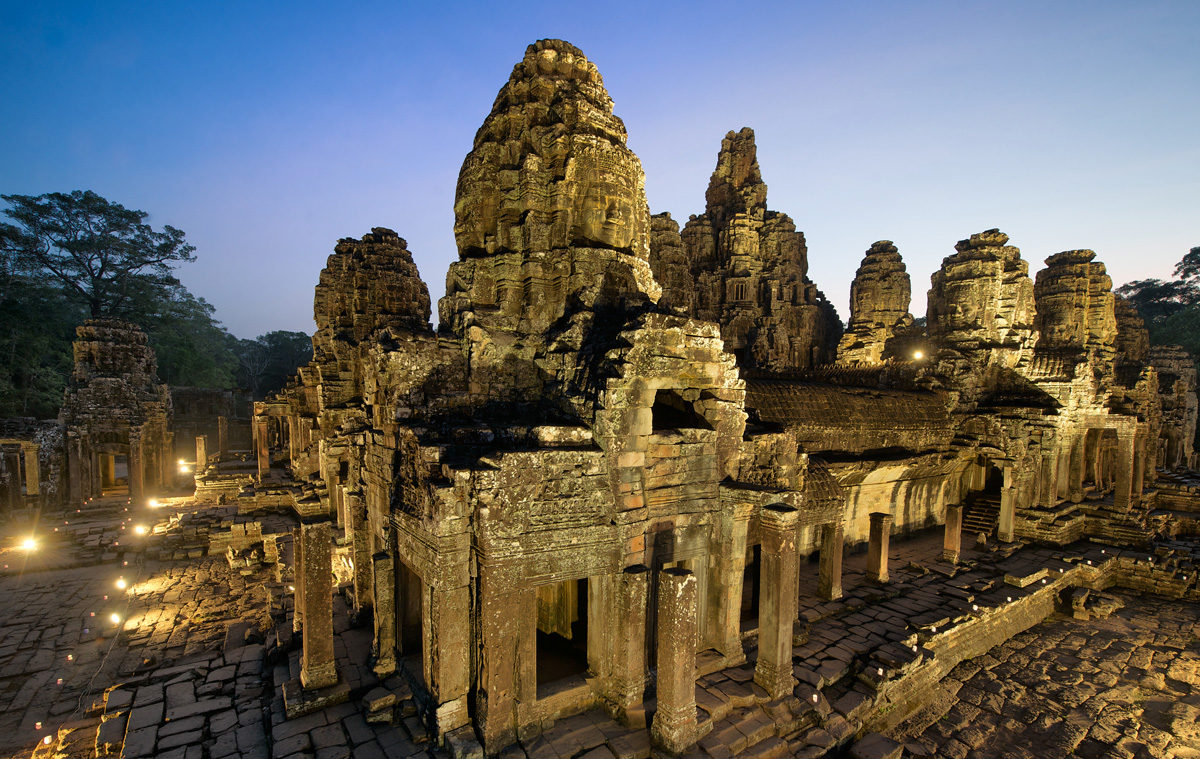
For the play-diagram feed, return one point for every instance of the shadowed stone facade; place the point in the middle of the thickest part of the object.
(598, 479)
(115, 406)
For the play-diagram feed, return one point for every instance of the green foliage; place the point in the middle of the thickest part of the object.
(37, 325)
(1170, 308)
(193, 349)
(101, 252)
(268, 361)
(71, 257)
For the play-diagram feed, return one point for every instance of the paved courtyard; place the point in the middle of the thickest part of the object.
(193, 664)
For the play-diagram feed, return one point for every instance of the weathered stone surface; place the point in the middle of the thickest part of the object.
(1177, 390)
(1133, 340)
(114, 403)
(879, 300)
(982, 300)
(749, 270)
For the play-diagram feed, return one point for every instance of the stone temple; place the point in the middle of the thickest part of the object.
(602, 510)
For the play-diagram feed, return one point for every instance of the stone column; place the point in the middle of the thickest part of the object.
(674, 728)
(134, 464)
(1139, 468)
(201, 453)
(97, 482)
(318, 668)
(74, 471)
(501, 626)
(952, 542)
(108, 470)
(222, 438)
(1008, 507)
(629, 669)
(829, 581)
(262, 444)
(298, 580)
(33, 476)
(12, 467)
(730, 568)
(384, 588)
(779, 577)
(359, 532)
(877, 548)
(448, 655)
(1124, 470)
(1075, 473)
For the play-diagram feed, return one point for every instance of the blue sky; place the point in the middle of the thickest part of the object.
(267, 131)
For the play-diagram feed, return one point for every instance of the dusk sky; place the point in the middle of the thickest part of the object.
(267, 131)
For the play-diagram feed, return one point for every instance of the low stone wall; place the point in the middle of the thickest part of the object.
(1163, 573)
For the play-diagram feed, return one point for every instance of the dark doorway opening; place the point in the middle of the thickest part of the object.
(751, 587)
(562, 633)
(410, 597)
(672, 412)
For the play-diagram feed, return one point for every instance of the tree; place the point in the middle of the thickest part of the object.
(101, 252)
(268, 361)
(1170, 308)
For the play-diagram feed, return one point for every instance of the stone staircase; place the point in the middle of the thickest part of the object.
(981, 514)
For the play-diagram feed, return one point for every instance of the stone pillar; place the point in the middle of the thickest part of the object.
(674, 728)
(384, 587)
(501, 626)
(33, 476)
(1139, 468)
(729, 564)
(97, 482)
(359, 532)
(1124, 470)
(1008, 507)
(877, 549)
(829, 581)
(318, 668)
(448, 655)
(1075, 473)
(262, 444)
(134, 463)
(629, 669)
(201, 453)
(298, 579)
(222, 438)
(108, 470)
(779, 578)
(952, 542)
(12, 467)
(74, 472)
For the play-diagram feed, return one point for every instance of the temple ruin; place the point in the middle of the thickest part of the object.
(627, 479)
(603, 470)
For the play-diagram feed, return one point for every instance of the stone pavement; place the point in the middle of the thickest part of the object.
(1122, 687)
(195, 667)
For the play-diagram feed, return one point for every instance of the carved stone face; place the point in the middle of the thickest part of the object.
(606, 214)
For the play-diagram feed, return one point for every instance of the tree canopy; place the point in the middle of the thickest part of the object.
(1170, 308)
(70, 257)
(101, 252)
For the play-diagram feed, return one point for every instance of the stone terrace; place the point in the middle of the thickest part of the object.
(196, 672)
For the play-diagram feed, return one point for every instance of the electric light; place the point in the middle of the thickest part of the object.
(116, 619)
(29, 544)
(918, 355)
(152, 503)
(181, 462)
(121, 583)
(46, 741)
(140, 529)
